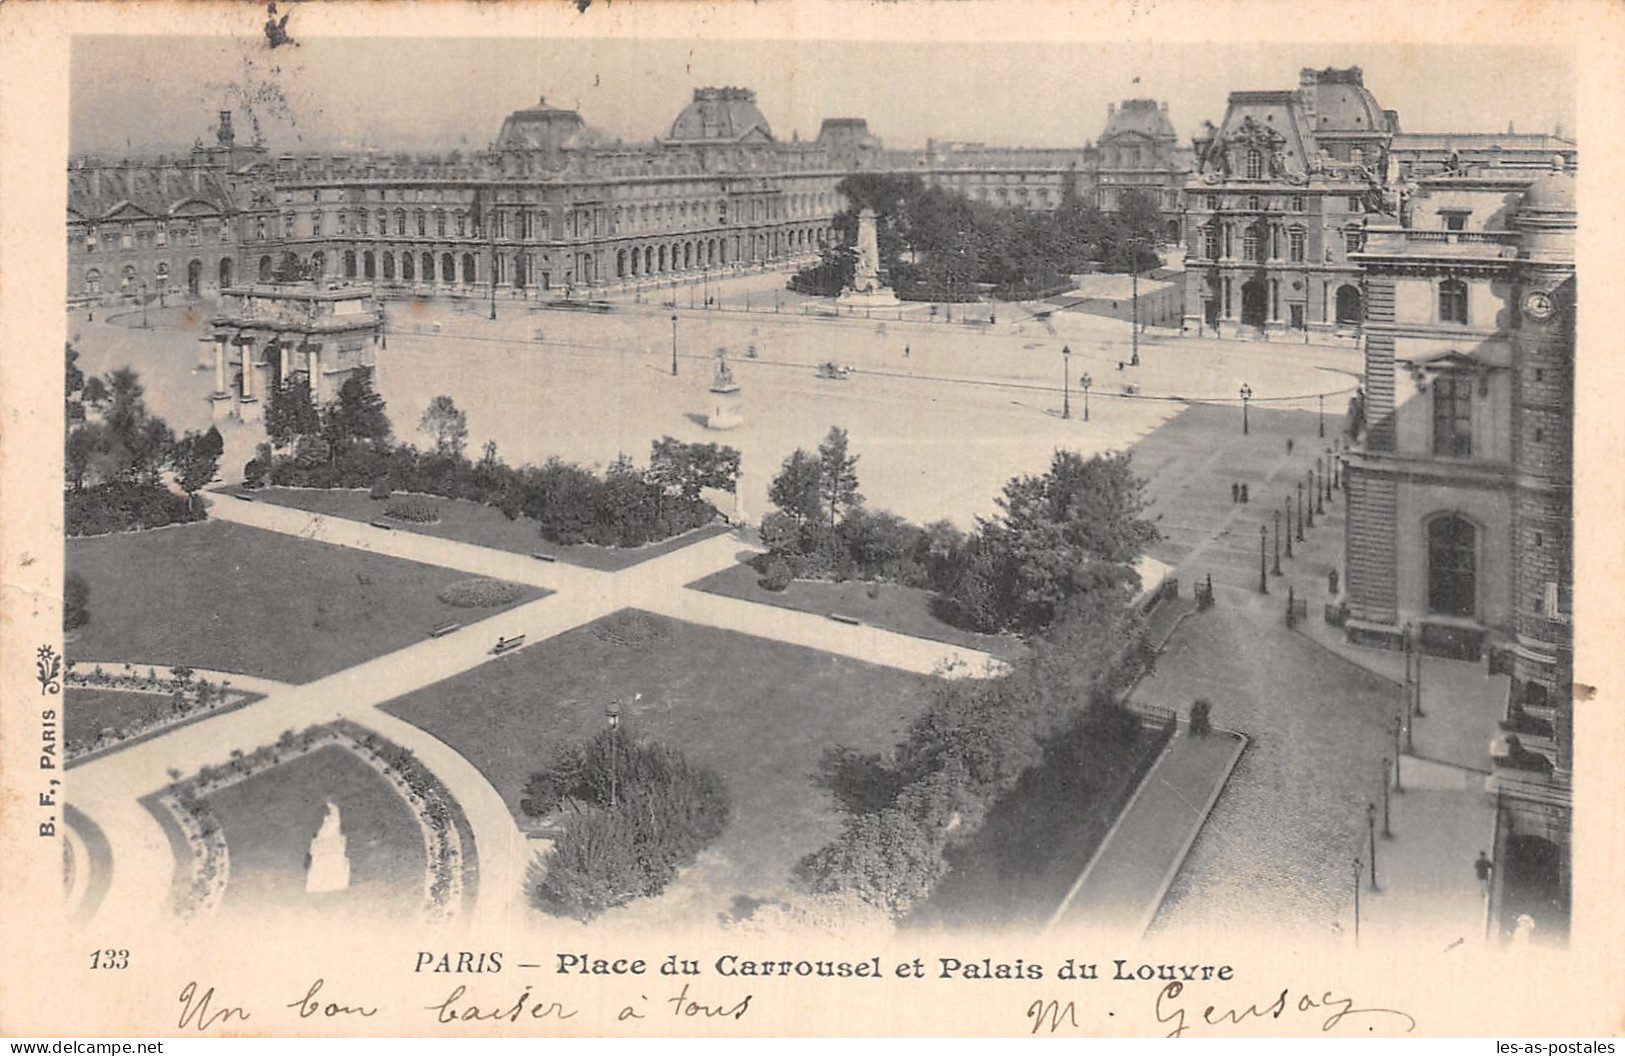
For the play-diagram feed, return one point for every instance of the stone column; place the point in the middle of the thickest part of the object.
(314, 369)
(219, 399)
(248, 371)
(287, 362)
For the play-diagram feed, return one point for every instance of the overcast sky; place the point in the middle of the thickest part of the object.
(148, 94)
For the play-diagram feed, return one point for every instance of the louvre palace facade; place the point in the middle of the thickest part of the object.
(551, 205)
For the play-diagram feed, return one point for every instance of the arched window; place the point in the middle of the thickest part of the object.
(1453, 301)
(469, 275)
(1452, 566)
(408, 267)
(462, 224)
(1255, 165)
(423, 224)
(448, 268)
(349, 263)
(400, 221)
(369, 265)
(428, 267)
(389, 265)
(93, 281)
(265, 269)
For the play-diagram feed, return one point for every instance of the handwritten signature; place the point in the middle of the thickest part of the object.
(1336, 1010)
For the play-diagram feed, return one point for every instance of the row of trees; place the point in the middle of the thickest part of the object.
(1071, 533)
(348, 444)
(117, 455)
(902, 812)
(939, 245)
(637, 812)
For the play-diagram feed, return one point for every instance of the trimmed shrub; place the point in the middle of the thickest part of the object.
(124, 506)
(635, 630)
(777, 575)
(481, 593)
(380, 489)
(414, 509)
(663, 812)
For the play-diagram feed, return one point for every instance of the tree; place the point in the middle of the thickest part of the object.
(1071, 533)
(357, 414)
(289, 268)
(74, 384)
(196, 459)
(446, 424)
(291, 413)
(688, 468)
(798, 489)
(837, 476)
(75, 602)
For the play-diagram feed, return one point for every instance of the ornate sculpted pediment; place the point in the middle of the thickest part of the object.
(1250, 135)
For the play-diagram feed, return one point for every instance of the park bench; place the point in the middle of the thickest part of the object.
(240, 495)
(441, 630)
(538, 555)
(507, 645)
(851, 621)
(385, 525)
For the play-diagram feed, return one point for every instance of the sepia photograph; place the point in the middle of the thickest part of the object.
(1019, 512)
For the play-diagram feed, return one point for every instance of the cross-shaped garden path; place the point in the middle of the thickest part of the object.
(108, 789)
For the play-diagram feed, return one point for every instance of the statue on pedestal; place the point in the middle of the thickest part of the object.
(725, 399)
(329, 865)
(867, 291)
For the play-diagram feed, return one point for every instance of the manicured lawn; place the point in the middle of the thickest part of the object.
(906, 610)
(760, 712)
(270, 819)
(229, 598)
(471, 522)
(90, 711)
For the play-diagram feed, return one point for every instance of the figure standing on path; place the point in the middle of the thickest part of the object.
(905, 351)
(1235, 492)
(1289, 444)
(1484, 868)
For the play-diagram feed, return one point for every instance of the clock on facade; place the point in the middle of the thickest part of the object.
(1537, 304)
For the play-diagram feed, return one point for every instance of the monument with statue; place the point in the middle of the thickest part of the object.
(329, 864)
(725, 399)
(867, 291)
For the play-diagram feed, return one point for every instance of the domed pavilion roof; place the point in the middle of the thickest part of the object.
(726, 115)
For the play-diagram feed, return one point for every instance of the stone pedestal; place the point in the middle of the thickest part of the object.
(867, 291)
(219, 406)
(249, 409)
(726, 410)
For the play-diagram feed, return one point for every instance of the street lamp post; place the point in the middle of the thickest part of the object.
(1387, 768)
(674, 344)
(1320, 489)
(1357, 864)
(144, 324)
(1134, 270)
(1066, 381)
(1310, 475)
(1263, 566)
(1246, 394)
(613, 713)
(1276, 569)
(1300, 513)
(1088, 383)
(1371, 839)
(1288, 503)
(1399, 724)
(1323, 415)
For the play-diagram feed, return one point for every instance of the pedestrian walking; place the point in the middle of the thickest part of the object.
(1289, 444)
(1244, 498)
(905, 351)
(1235, 492)
(1483, 869)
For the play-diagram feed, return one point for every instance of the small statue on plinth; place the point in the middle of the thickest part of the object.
(725, 399)
(329, 867)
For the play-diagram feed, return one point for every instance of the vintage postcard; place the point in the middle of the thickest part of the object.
(648, 519)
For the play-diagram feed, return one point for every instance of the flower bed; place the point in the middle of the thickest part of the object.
(413, 509)
(189, 697)
(446, 876)
(481, 593)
